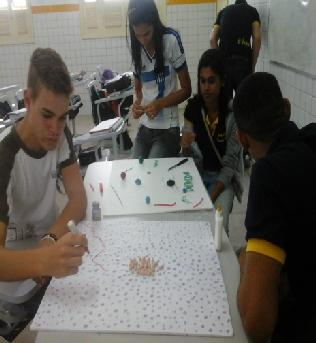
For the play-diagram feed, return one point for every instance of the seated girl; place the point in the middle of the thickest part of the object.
(210, 125)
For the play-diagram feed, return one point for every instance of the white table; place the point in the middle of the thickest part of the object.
(230, 270)
(126, 197)
(8, 88)
(98, 138)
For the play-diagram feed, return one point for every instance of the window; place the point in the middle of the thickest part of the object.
(17, 5)
(15, 22)
(4, 5)
(107, 18)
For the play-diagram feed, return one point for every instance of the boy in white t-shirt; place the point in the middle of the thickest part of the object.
(33, 157)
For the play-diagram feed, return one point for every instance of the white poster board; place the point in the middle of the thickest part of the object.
(186, 297)
(126, 197)
(292, 34)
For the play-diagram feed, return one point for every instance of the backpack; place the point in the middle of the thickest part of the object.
(119, 83)
(308, 136)
(4, 108)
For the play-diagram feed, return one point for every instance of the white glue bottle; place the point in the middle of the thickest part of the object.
(218, 228)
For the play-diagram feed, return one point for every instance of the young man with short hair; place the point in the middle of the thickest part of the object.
(34, 156)
(276, 296)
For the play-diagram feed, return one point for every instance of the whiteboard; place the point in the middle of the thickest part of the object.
(186, 297)
(292, 34)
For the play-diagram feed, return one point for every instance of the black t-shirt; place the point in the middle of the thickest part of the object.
(193, 113)
(282, 205)
(235, 23)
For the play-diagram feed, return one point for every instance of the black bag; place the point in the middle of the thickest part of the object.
(87, 156)
(127, 142)
(4, 108)
(119, 83)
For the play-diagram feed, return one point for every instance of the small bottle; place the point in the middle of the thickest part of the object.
(218, 228)
(96, 211)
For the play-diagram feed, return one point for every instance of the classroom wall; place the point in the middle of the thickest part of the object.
(298, 87)
(61, 31)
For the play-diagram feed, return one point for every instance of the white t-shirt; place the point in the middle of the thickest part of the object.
(174, 61)
(28, 185)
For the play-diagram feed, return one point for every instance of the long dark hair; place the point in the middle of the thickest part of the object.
(145, 12)
(215, 60)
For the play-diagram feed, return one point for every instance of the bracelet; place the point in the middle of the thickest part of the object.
(50, 236)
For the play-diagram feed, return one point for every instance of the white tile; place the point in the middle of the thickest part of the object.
(309, 85)
(314, 88)
(308, 104)
(314, 106)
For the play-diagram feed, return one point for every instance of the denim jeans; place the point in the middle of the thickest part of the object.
(157, 143)
(225, 199)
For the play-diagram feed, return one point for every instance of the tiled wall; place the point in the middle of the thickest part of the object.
(61, 31)
(299, 88)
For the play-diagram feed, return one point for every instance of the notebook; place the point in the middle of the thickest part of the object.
(109, 125)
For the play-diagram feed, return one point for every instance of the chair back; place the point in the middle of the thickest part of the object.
(94, 95)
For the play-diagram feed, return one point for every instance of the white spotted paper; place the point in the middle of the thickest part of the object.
(186, 297)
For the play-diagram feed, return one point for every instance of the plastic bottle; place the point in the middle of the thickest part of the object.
(218, 228)
(96, 211)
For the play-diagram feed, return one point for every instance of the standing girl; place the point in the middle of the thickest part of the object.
(159, 62)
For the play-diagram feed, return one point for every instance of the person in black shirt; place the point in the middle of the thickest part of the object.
(276, 296)
(235, 27)
(207, 117)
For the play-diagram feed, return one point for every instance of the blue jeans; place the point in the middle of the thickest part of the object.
(225, 199)
(157, 143)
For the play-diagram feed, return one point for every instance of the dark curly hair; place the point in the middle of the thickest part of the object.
(259, 107)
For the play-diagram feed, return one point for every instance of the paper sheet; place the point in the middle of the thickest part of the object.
(125, 197)
(186, 297)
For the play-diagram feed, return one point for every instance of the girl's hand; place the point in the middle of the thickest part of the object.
(137, 109)
(153, 109)
(186, 139)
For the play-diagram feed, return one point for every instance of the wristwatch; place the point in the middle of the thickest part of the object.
(50, 236)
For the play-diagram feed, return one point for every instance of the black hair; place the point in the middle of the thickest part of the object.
(215, 60)
(259, 107)
(145, 12)
(238, 2)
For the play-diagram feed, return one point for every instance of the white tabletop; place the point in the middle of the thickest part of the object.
(230, 270)
(143, 181)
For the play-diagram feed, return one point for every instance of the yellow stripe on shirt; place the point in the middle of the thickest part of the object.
(266, 248)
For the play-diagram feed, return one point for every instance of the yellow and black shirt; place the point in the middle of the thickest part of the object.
(281, 212)
(193, 113)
